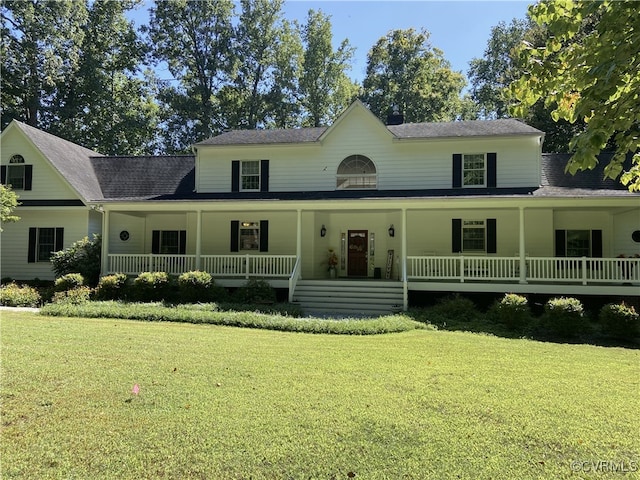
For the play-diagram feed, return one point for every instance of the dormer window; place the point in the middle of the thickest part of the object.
(356, 172)
(17, 174)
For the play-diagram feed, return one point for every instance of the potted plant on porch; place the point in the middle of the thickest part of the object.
(332, 263)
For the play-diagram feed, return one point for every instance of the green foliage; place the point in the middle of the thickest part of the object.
(564, 317)
(454, 307)
(14, 295)
(112, 287)
(512, 311)
(199, 287)
(588, 71)
(209, 314)
(151, 287)
(8, 203)
(68, 282)
(81, 257)
(620, 320)
(255, 291)
(74, 296)
(404, 70)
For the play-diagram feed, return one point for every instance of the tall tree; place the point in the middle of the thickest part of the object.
(8, 203)
(588, 74)
(40, 49)
(405, 71)
(324, 86)
(492, 75)
(257, 38)
(194, 38)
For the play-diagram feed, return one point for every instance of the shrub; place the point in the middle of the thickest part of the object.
(68, 282)
(151, 286)
(563, 316)
(14, 295)
(620, 320)
(82, 256)
(455, 307)
(112, 287)
(255, 291)
(512, 311)
(195, 286)
(74, 296)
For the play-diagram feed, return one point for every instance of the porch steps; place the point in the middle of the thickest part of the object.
(348, 297)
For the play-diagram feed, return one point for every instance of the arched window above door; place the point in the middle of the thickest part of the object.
(356, 172)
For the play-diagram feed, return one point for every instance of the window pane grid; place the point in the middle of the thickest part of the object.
(474, 170)
(170, 242)
(473, 236)
(250, 175)
(46, 243)
(15, 176)
(357, 172)
(249, 236)
(578, 243)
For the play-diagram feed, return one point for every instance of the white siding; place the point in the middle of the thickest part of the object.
(47, 182)
(624, 225)
(401, 164)
(15, 240)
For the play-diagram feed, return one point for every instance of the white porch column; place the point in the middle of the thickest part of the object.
(405, 286)
(198, 239)
(299, 234)
(105, 243)
(523, 262)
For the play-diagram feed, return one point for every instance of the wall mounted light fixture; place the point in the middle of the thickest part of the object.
(392, 231)
(323, 231)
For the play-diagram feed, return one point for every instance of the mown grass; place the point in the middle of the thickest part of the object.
(233, 403)
(209, 314)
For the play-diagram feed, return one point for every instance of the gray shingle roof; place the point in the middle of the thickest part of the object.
(70, 159)
(145, 177)
(469, 128)
(555, 182)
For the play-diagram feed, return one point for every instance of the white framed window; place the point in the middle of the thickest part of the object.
(474, 171)
(169, 242)
(250, 175)
(16, 172)
(578, 243)
(474, 236)
(43, 241)
(249, 236)
(356, 172)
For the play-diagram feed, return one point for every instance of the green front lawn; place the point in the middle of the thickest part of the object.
(219, 402)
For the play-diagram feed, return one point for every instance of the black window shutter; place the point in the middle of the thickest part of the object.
(561, 243)
(492, 170)
(235, 236)
(183, 242)
(457, 170)
(264, 175)
(59, 239)
(155, 241)
(31, 256)
(235, 176)
(456, 235)
(596, 243)
(28, 176)
(264, 235)
(492, 237)
(3, 174)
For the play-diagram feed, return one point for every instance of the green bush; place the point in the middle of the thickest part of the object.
(512, 311)
(195, 286)
(455, 307)
(112, 287)
(82, 257)
(620, 320)
(74, 296)
(152, 286)
(255, 291)
(14, 295)
(564, 317)
(68, 282)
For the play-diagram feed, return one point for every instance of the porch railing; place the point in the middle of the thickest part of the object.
(217, 265)
(538, 269)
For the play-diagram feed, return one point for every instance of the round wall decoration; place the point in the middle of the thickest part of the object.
(635, 236)
(124, 235)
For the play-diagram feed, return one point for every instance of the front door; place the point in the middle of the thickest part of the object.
(357, 256)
